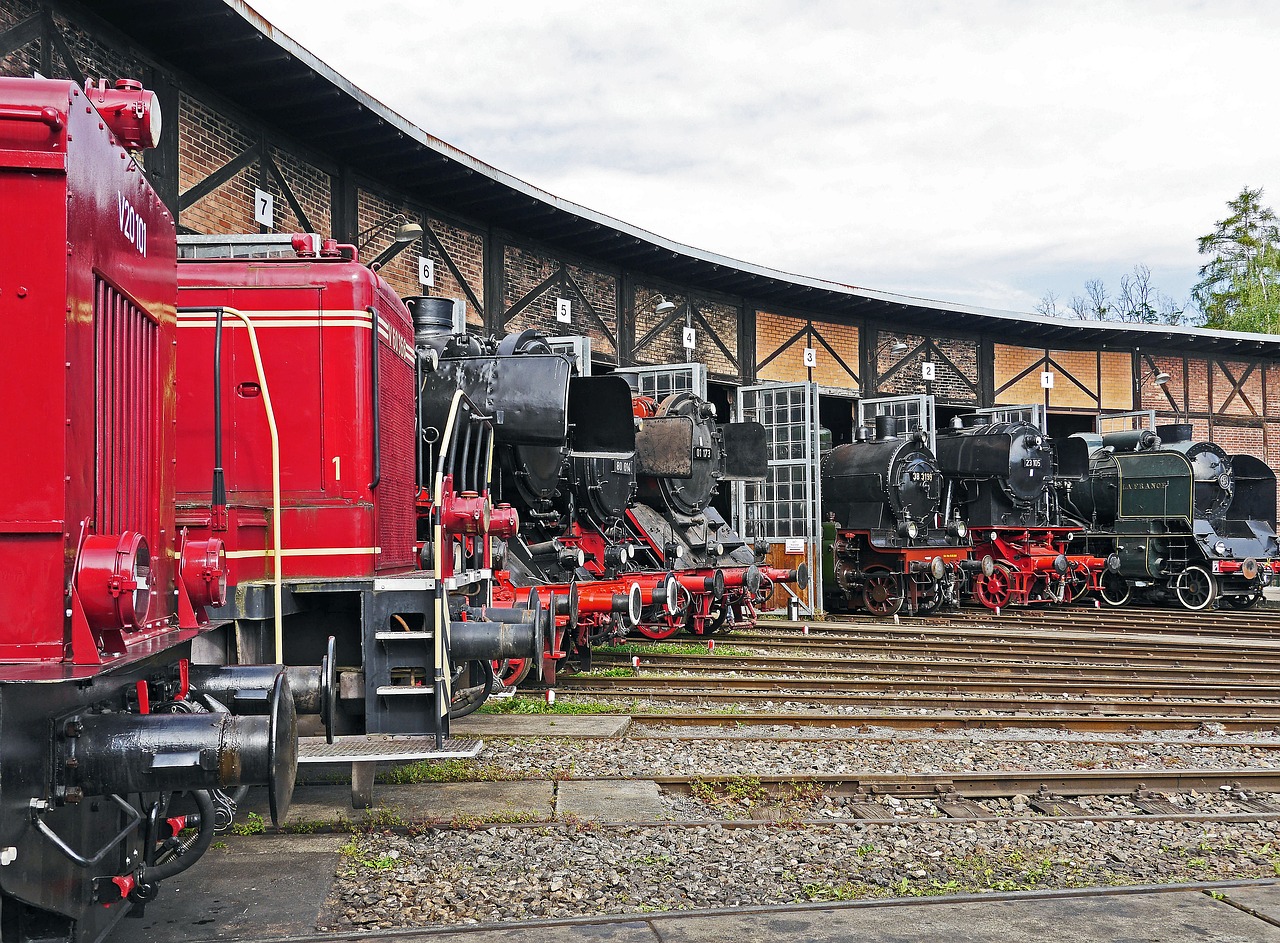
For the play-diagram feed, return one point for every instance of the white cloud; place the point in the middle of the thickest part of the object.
(978, 152)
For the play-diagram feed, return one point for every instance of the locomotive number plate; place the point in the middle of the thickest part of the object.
(702, 452)
(1031, 463)
(925, 477)
(623, 466)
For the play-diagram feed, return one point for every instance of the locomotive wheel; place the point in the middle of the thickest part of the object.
(882, 593)
(929, 596)
(1114, 589)
(512, 671)
(995, 591)
(1196, 588)
(658, 631)
(1077, 586)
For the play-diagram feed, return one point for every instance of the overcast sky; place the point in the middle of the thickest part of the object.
(976, 152)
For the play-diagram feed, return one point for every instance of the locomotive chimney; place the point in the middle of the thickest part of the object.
(432, 318)
(632, 378)
(886, 428)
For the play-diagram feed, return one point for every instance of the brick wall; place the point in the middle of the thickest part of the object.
(208, 141)
(780, 352)
(25, 60)
(715, 323)
(534, 281)
(465, 248)
(955, 366)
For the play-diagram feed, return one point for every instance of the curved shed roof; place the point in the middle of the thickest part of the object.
(230, 47)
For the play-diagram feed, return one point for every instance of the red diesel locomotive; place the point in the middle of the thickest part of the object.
(113, 758)
(352, 507)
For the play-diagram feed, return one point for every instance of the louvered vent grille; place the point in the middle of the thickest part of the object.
(127, 344)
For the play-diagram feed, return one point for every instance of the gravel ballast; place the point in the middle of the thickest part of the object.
(442, 877)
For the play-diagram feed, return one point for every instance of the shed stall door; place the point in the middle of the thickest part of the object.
(912, 412)
(289, 343)
(785, 506)
(661, 380)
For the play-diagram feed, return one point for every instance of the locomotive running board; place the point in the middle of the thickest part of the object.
(388, 749)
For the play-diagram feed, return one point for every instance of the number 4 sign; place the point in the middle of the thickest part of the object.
(690, 338)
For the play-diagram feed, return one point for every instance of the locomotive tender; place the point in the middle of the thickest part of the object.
(888, 539)
(1001, 478)
(114, 749)
(1184, 517)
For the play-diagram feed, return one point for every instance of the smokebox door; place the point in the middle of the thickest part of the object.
(531, 402)
(746, 451)
(600, 417)
(664, 447)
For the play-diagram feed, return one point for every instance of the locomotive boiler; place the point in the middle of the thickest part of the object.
(890, 542)
(1185, 518)
(114, 755)
(547, 419)
(1000, 477)
(683, 455)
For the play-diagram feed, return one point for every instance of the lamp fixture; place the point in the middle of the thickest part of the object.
(1160, 377)
(897, 346)
(664, 306)
(406, 234)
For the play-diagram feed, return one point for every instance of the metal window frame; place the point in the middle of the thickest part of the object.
(924, 413)
(1134, 416)
(576, 346)
(750, 407)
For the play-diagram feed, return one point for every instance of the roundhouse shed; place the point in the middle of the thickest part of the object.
(249, 112)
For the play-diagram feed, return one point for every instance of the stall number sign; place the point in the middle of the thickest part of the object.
(426, 272)
(564, 310)
(690, 338)
(1046, 379)
(810, 356)
(264, 208)
(795, 545)
(927, 370)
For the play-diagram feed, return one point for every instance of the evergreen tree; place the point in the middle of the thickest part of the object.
(1239, 287)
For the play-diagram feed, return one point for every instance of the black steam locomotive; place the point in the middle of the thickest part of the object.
(889, 541)
(1184, 518)
(1001, 478)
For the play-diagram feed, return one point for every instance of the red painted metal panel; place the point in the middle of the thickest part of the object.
(89, 311)
(315, 335)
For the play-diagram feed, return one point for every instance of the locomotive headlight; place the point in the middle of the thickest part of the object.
(938, 568)
(204, 572)
(1220, 548)
(129, 110)
(909, 529)
(113, 580)
(958, 529)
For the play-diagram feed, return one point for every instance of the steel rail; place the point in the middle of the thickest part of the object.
(962, 670)
(730, 691)
(946, 720)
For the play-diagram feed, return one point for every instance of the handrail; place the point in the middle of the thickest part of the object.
(276, 552)
(377, 429)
